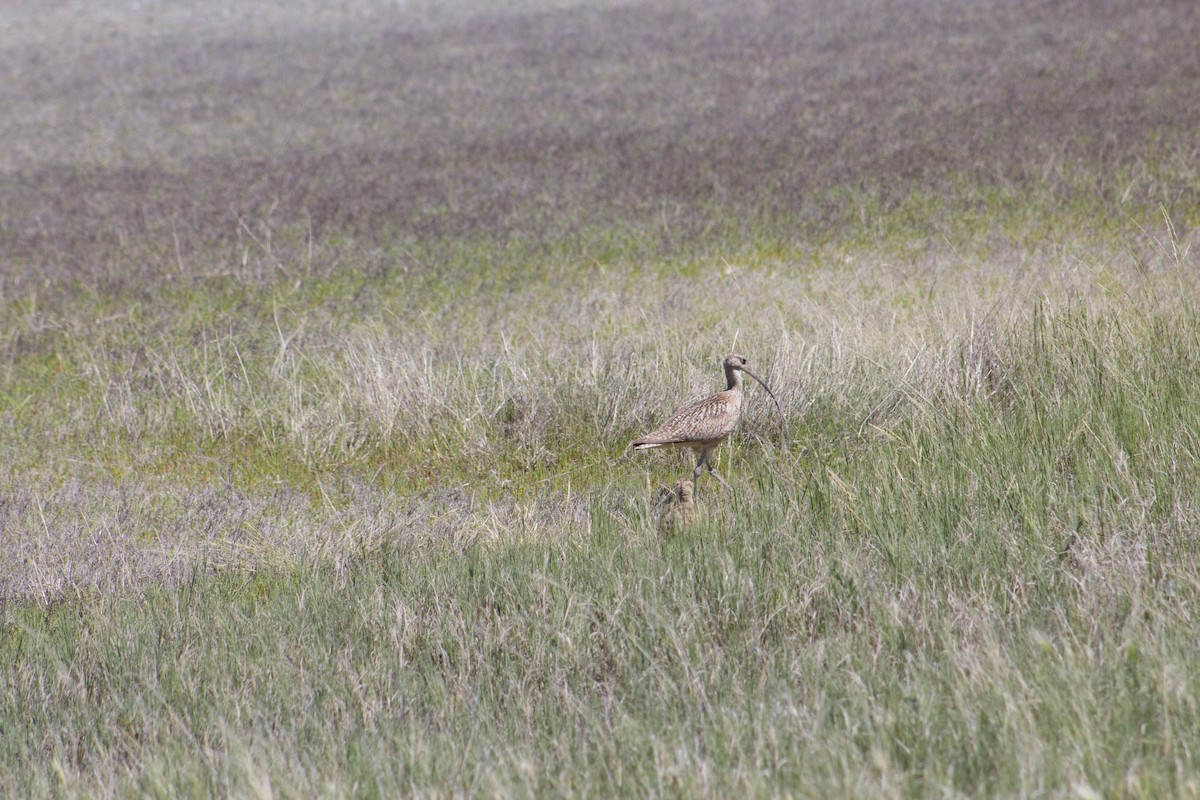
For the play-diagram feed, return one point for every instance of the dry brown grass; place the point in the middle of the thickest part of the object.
(311, 430)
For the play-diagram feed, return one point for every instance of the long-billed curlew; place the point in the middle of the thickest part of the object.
(701, 426)
(679, 510)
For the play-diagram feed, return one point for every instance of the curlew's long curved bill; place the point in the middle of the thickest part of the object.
(764, 385)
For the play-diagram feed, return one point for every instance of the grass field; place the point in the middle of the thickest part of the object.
(326, 328)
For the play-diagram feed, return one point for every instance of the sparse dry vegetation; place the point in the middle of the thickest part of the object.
(326, 328)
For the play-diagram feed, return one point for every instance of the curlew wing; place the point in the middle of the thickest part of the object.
(708, 420)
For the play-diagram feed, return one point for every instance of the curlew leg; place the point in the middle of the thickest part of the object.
(703, 463)
(713, 472)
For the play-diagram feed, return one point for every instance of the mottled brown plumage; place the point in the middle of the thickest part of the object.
(679, 510)
(702, 426)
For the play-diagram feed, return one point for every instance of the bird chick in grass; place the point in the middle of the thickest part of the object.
(679, 511)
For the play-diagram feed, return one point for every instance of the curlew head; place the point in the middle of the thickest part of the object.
(736, 362)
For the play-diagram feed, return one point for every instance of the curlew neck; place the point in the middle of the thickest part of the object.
(733, 378)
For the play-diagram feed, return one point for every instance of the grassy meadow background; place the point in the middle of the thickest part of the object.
(326, 326)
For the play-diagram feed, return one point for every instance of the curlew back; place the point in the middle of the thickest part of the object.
(705, 421)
